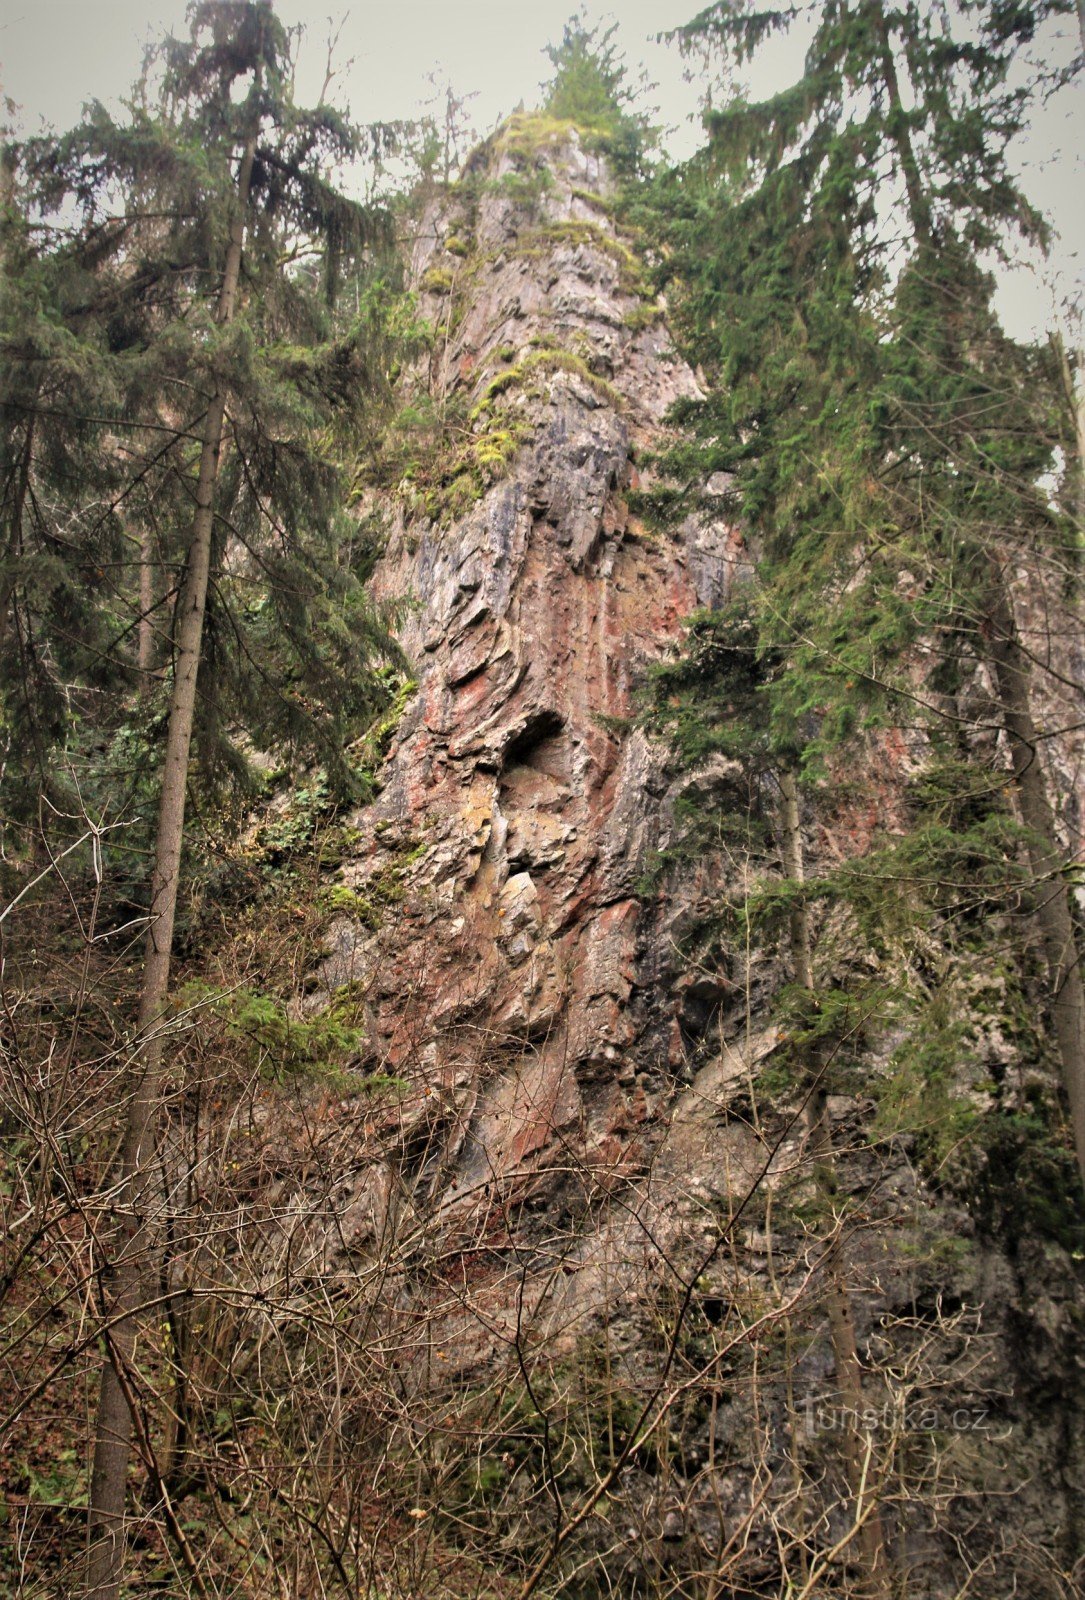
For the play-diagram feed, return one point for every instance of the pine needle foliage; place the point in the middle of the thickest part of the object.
(591, 89)
(890, 451)
(115, 235)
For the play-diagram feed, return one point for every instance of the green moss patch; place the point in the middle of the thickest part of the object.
(455, 483)
(546, 358)
(437, 280)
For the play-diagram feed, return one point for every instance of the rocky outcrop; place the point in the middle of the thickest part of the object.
(537, 977)
(575, 1136)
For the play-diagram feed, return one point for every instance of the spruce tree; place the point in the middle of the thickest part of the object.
(63, 547)
(716, 700)
(828, 247)
(219, 422)
(591, 88)
(888, 450)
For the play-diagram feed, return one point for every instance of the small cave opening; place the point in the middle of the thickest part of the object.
(715, 1308)
(538, 745)
(533, 791)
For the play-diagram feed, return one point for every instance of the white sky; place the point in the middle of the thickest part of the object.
(55, 54)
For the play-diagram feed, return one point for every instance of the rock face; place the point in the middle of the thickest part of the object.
(576, 1137)
(524, 944)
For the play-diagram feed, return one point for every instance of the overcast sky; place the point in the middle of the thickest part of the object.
(55, 54)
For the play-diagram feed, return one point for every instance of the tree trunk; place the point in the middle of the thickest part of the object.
(1046, 860)
(128, 1268)
(1073, 383)
(849, 1372)
(919, 210)
(13, 544)
(11, 548)
(145, 635)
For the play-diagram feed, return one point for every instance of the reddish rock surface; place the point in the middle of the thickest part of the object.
(521, 974)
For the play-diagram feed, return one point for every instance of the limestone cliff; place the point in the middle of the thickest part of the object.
(577, 1173)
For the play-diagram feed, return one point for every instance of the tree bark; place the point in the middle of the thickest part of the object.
(145, 635)
(1046, 861)
(919, 209)
(849, 1371)
(1073, 383)
(128, 1268)
(13, 544)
